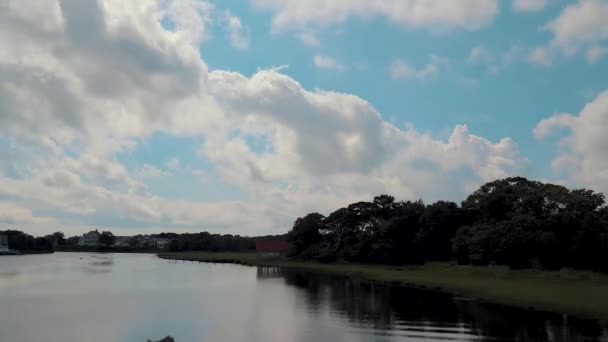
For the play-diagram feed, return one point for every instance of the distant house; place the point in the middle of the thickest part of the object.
(147, 242)
(89, 239)
(154, 242)
(271, 247)
(4, 244)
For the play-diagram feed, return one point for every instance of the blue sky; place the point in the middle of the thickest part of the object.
(240, 116)
(494, 104)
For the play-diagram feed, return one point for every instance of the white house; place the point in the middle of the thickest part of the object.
(89, 239)
(147, 242)
(4, 243)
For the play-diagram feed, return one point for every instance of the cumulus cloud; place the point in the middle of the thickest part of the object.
(582, 151)
(328, 63)
(191, 18)
(338, 145)
(85, 81)
(402, 70)
(529, 5)
(419, 14)
(579, 25)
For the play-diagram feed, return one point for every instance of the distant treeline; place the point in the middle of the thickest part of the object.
(25, 243)
(514, 222)
(202, 241)
(205, 241)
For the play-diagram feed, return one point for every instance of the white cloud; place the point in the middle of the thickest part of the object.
(582, 152)
(434, 15)
(402, 70)
(500, 60)
(529, 5)
(190, 17)
(595, 53)
(11, 213)
(328, 63)
(497, 61)
(101, 170)
(579, 24)
(151, 171)
(88, 81)
(336, 145)
(239, 35)
(540, 56)
(514, 54)
(309, 39)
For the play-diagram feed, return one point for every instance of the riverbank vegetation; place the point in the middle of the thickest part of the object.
(27, 244)
(505, 243)
(580, 293)
(514, 222)
(203, 241)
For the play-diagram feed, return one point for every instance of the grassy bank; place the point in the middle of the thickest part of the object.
(583, 294)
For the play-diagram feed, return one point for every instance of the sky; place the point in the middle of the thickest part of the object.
(240, 116)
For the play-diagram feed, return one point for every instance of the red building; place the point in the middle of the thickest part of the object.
(271, 247)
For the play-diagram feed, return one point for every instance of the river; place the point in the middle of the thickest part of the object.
(83, 297)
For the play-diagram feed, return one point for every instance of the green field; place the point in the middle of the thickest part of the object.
(582, 294)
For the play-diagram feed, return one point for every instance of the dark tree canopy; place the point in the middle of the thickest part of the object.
(305, 233)
(25, 243)
(107, 239)
(205, 241)
(202, 241)
(513, 221)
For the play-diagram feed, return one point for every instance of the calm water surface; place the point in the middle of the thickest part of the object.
(68, 297)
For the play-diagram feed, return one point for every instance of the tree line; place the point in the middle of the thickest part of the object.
(202, 241)
(205, 241)
(514, 221)
(26, 243)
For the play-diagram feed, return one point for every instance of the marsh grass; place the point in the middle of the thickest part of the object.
(579, 293)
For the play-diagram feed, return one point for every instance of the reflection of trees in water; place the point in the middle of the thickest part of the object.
(525, 325)
(375, 304)
(99, 264)
(386, 307)
(269, 272)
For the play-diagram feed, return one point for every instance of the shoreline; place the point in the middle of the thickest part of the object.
(17, 253)
(108, 251)
(580, 294)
